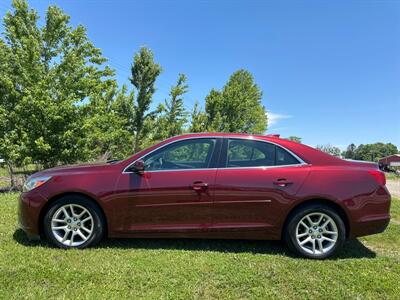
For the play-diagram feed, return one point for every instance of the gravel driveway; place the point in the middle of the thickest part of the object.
(393, 187)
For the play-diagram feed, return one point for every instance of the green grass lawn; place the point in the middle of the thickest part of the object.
(200, 269)
(4, 180)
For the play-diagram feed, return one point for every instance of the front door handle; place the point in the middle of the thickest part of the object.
(199, 186)
(282, 182)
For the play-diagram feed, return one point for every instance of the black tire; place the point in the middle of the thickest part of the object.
(93, 209)
(298, 215)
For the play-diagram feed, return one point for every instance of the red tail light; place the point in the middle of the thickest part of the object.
(379, 176)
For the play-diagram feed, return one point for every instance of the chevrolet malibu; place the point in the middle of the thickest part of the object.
(232, 186)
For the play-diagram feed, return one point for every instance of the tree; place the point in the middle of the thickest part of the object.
(332, 150)
(107, 124)
(46, 75)
(294, 138)
(237, 108)
(144, 74)
(198, 119)
(350, 151)
(172, 114)
(373, 152)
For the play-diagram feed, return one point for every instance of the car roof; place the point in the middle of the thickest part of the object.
(306, 153)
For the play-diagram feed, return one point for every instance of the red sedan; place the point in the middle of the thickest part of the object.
(234, 186)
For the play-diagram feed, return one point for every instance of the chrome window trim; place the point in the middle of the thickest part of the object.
(167, 144)
(300, 164)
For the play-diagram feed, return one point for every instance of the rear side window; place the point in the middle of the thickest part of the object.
(248, 153)
(244, 153)
(284, 158)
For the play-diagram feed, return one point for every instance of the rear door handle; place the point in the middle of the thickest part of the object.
(199, 186)
(282, 182)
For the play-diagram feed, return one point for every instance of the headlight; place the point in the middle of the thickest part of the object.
(34, 182)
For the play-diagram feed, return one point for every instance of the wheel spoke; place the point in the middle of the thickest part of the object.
(87, 230)
(302, 234)
(320, 246)
(313, 246)
(59, 227)
(72, 210)
(65, 212)
(305, 241)
(310, 221)
(81, 214)
(304, 224)
(72, 238)
(59, 220)
(330, 232)
(320, 219)
(65, 236)
(326, 223)
(82, 235)
(328, 239)
(87, 219)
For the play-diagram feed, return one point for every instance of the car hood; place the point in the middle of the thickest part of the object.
(73, 169)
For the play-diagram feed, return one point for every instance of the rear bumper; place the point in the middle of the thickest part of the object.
(371, 226)
(29, 206)
(371, 213)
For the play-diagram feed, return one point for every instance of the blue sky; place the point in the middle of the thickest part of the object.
(329, 71)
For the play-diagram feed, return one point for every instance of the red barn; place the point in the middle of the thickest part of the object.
(390, 161)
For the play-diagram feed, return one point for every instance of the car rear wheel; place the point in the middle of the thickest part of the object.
(73, 222)
(315, 231)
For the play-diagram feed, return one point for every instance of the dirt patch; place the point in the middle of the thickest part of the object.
(393, 187)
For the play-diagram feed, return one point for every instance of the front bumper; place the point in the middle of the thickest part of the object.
(29, 207)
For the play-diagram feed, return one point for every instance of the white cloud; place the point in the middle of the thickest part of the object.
(274, 118)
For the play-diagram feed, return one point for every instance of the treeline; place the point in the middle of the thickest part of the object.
(60, 102)
(369, 152)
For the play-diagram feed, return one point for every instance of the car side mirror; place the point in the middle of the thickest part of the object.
(138, 166)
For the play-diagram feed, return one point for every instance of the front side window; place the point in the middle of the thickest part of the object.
(188, 154)
(250, 153)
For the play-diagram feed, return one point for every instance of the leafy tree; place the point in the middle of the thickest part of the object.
(107, 124)
(332, 150)
(144, 74)
(373, 152)
(46, 75)
(172, 114)
(198, 119)
(294, 138)
(214, 105)
(350, 151)
(237, 108)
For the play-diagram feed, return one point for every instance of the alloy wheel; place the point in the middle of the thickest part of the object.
(72, 225)
(316, 233)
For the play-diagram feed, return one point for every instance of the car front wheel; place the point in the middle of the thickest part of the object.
(73, 222)
(315, 231)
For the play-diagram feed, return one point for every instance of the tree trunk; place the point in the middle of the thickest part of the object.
(11, 174)
(136, 142)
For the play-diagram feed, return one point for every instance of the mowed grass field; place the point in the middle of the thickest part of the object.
(194, 269)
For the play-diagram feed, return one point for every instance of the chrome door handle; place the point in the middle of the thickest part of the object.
(282, 182)
(199, 186)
